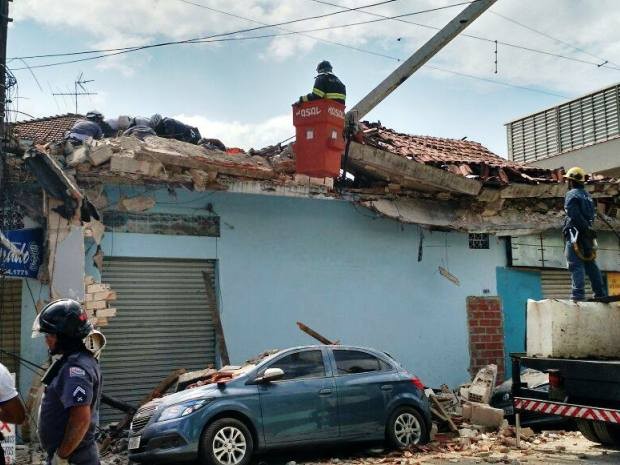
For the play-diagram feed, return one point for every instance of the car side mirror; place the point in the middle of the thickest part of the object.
(271, 374)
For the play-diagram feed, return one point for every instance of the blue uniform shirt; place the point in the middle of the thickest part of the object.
(77, 383)
(580, 210)
(83, 129)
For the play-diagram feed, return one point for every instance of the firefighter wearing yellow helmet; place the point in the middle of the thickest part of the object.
(580, 236)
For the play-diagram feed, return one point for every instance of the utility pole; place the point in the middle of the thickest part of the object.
(79, 82)
(4, 26)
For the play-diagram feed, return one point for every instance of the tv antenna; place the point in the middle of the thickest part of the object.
(79, 89)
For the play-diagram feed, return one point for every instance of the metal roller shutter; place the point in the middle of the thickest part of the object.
(556, 284)
(163, 323)
(10, 321)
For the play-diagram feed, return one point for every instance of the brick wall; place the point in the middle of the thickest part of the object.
(486, 334)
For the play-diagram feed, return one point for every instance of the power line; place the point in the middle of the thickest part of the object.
(549, 36)
(480, 38)
(206, 39)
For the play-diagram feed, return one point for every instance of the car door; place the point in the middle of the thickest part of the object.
(302, 406)
(365, 386)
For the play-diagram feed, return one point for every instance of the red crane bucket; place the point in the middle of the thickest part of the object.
(319, 128)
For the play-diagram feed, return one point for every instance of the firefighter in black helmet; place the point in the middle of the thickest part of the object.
(70, 406)
(326, 85)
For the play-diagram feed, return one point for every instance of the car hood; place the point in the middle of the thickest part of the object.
(209, 390)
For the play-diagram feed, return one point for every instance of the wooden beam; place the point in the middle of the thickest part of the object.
(315, 335)
(408, 173)
(217, 322)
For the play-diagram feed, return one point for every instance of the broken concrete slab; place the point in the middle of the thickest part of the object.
(567, 329)
(483, 385)
(100, 154)
(136, 204)
(128, 164)
(77, 157)
(397, 169)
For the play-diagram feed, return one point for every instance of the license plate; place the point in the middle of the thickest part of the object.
(509, 410)
(134, 443)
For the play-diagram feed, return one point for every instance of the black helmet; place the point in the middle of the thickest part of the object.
(94, 115)
(324, 67)
(63, 317)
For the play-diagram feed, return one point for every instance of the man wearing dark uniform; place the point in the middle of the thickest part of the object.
(326, 85)
(70, 405)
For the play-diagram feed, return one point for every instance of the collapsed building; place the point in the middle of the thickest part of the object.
(428, 252)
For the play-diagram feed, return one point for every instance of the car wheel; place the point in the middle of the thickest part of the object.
(226, 441)
(406, 428)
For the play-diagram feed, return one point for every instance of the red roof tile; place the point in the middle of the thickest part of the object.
(43, 130)
(463, 157)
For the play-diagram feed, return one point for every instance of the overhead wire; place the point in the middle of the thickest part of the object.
(549, 36)
(477, 37)
(210, 38)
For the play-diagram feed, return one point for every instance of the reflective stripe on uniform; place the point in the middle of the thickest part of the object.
(318, 92)
(304, 98)
(335, 95)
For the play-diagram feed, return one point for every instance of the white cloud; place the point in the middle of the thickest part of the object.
(587, 24)
(243, 135)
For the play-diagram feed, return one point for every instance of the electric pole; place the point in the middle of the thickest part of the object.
(4, 25)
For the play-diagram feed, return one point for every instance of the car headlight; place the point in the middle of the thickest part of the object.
(183, 409)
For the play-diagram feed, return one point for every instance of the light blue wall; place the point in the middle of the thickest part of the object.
(334, 266)
(31, 349)
(514, 288)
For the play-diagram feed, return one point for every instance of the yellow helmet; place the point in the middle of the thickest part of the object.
(576, 174)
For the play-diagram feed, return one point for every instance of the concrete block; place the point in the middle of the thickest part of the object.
(566, 329)
(78, 156)
(105, 312)
(105, 295)
(485, 415)
(124, 164)
(95, 304)
(100, 154)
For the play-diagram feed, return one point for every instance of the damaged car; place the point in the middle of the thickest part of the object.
(299, 396)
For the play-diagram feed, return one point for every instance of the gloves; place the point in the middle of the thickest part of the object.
(58, 461)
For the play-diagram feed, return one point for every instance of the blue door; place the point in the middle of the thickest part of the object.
(365, 386)
(514, 288)
(302, 406)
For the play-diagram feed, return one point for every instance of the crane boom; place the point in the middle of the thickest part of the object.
(415, 62)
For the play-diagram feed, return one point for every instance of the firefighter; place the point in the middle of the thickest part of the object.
(326, 85)
(580, 237)
(11, 407)
(70, 407)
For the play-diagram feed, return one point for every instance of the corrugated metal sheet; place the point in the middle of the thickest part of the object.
(556, 284)
(163, 323)
(10, 321)
(581, 122)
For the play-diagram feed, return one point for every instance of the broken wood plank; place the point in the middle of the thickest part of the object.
(217, 322)
(439, 407)
(408, 173)
(315, 335)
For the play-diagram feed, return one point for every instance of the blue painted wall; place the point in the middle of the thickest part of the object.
(514, 288)
(336, 267)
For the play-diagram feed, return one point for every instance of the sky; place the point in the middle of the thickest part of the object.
(241, 90)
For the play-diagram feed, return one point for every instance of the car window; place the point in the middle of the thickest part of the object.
(304, 364)
(356, 361)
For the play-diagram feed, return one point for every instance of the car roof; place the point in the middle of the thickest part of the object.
(334, 346)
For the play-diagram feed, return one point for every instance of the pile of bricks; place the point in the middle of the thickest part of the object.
(97, 300)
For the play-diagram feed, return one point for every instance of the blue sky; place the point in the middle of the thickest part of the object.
(241, 91)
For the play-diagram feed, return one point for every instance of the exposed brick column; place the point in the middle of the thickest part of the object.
(486, 334)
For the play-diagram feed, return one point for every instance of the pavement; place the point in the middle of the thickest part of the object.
(547, 448)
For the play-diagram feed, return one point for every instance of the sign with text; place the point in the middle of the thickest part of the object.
(29, 244)
(613, 283)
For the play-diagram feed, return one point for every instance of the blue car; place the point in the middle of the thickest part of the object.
(300, 396)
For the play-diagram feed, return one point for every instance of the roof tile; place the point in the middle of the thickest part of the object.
(48, 129)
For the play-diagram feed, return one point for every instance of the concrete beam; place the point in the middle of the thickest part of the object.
(400, 170)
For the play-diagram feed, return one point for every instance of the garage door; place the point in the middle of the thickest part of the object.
(163, 323)
(556, 284)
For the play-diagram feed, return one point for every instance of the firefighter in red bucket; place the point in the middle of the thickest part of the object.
(326, 85)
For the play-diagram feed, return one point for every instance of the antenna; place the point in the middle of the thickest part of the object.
(79, 82)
